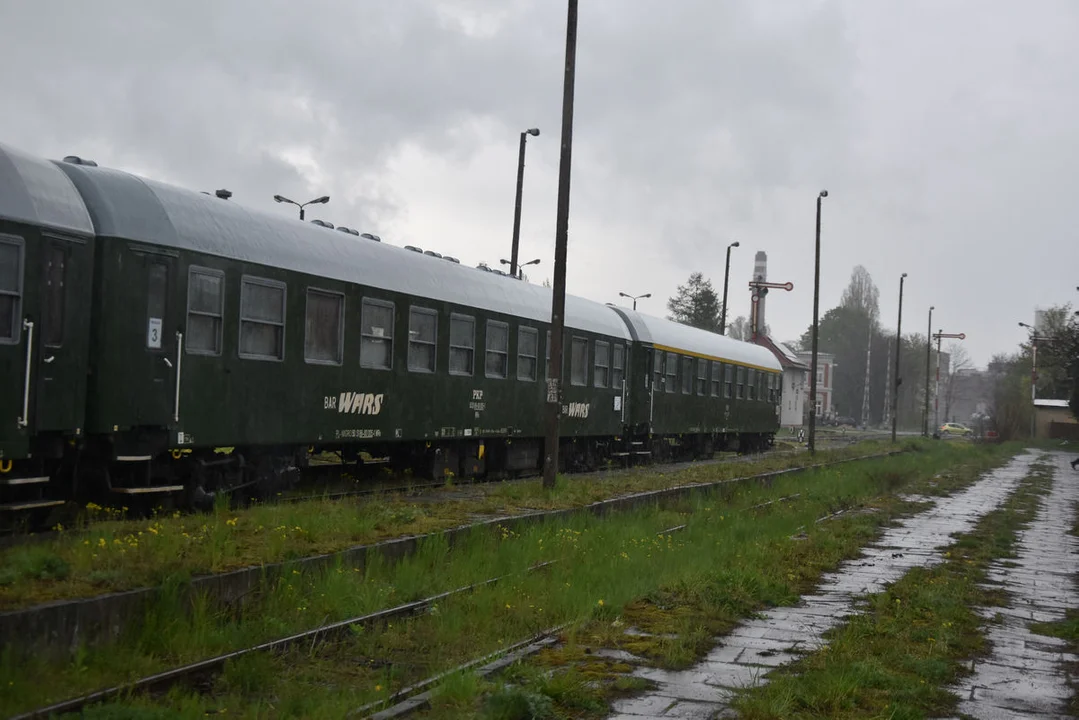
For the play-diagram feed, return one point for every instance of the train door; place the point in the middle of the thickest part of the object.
(60, 372)
(157, 400)
(14, 347)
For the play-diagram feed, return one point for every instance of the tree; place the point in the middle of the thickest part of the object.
(738, 328)
(862, 294)
(696, 304)
(1010, 397)
(959, 361)
(547, 283)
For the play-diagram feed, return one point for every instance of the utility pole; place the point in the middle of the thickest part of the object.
(558, 300)
(888, 388)
(928, 352)
(726, 278)
(816, 334)
(865, 389)
(936, 390)
(517, 207)
(898, 349)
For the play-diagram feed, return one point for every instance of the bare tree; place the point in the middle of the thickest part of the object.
(739, 328)
(958, 362)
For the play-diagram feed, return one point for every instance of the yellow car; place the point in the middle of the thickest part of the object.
(954, 429)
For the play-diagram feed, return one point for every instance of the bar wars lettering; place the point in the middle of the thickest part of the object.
(576, 410)
(355, 403)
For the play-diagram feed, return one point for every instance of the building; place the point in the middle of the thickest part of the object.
(795, 372)
(1053, 419)
(966, 393)
(795, 381)
(825, 374)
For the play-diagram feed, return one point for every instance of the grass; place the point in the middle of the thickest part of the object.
(605, 565)
(105, 554)
(898, 658)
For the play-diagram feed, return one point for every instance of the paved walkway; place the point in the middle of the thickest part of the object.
(759, 645)
(1023, 677)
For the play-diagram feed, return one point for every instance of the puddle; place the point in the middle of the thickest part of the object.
(777, 637)
(1024, 677)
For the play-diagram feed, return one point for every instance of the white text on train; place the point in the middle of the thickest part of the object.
(356, 403)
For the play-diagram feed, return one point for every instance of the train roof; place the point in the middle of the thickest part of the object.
(676, 337)
(35, 191)
(126, 206)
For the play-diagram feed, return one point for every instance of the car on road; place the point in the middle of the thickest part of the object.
(954, 429)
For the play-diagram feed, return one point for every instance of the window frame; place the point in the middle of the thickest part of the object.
(523, 330)
(751, 384)
(740, 384)
(596, 364)
(658, 369)
(471, 348)
(671, 373)
(572, 343)
(716, 380)
(149, 261)
(306, 303)
(702, 378)
(618, 352)
(207, 272)
(385, 304)
(55, 245)
(20, 292)
(246, 280)
(687, 375)
(728, 381)
(433, 344)
(487, 348)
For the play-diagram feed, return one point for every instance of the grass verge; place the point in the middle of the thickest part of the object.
(107, 555)
(605, 564)
(898, 658)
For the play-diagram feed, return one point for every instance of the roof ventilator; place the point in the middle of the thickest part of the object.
(432, 253)
(76, 160)
(322, 223)
(369, 236)
(413, 248)
(451, 259)
(348, 230)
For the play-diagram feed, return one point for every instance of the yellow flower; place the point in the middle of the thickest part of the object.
(600, 603)
(378, 688)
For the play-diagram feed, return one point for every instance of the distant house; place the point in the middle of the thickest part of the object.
(1053, 419)
(825, 376)
(795, 377)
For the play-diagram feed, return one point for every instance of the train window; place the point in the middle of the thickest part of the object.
(53, 327)
(672, 372)
(498, 349)
(729, 372)
(741, 390)
(547, 360)
(657, 369)
(527, 353)
(205, 310)
(422, 339)
(157, 292)
(262, 319)
(601, 376)
(687, 376)
(376, 334)
(752, 384)
(462, 344)
(324, 327)
(618, 366)
(11, 261)
(717, 378)
(578, 362)
(702, 376)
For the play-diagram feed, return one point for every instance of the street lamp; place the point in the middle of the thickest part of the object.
(726, 277)
(520, 268)
(317, 201)
(517, 207)
(898, 347)
(1035, 338)
(816, 329)
(635, 298)
(928, 356)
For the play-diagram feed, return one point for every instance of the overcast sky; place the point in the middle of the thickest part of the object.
(944, 131)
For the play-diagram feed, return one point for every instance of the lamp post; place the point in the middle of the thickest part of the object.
(517, 207)
(898, 347)
(1035, 338)
(561, 241)
(816, 328)
(521, 267)
(317, 201)
(635, 298)
(928, 356)
(726, 278)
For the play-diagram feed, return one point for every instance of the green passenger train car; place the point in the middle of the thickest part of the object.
(222, 346)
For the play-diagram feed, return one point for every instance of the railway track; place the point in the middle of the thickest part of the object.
(400, 485)
(401, 702)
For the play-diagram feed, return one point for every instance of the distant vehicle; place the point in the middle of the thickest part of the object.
(954, 429)
(844, 420)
